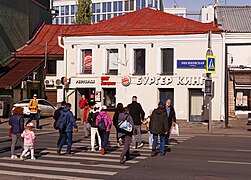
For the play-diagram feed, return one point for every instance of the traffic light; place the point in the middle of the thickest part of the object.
(209, 87)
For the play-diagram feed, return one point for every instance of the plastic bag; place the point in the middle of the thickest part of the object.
(175, 130)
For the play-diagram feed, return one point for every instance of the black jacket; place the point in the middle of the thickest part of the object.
(92, 118)
(158, 121)
(172, 116)
(136, 112)
(115, 118)
(56, 116)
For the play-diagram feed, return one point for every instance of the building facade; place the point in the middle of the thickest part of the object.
(112, 66)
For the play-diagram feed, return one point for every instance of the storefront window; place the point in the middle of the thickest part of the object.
(87, 61)
(109, 97)
(167, 55)
(112, 61)
(139, 61)
(243, 99)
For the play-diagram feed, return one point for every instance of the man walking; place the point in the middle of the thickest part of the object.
(137, 114)
(56, 116)
(171, 117)
(34, 109)
(159, 126)
(67, 133)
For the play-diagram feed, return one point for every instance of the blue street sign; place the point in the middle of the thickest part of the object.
(210, 65)
(191, 64)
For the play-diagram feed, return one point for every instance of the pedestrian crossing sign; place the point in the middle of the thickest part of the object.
(210, 64)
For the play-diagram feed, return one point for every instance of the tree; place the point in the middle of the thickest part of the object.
(84, 14)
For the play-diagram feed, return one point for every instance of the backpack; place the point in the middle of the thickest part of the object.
(101, 125)
(62, 122)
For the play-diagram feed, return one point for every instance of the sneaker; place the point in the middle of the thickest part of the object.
(133, 147)
(121, 160)
(153, 153)
(120, 142)
(33, 158)
(58, 151)
(99, 148)
(162, 154)
(14, 157)
(93, 150)
(150, 147)
(140, 145)
(103, 151)
(27, 154)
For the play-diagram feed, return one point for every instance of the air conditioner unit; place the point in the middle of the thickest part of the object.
(49, 82)
(46, 82)
(58, 82)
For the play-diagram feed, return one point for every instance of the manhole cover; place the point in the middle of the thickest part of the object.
(210, 178)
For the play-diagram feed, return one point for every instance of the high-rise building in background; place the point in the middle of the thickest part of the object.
(101, 9)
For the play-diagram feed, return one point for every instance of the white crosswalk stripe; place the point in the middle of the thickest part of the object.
(83, 165)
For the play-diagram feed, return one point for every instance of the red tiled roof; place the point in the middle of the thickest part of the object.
(18, 70)
(47, 33)
(146, 22)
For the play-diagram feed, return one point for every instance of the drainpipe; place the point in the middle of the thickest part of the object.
(222, 107)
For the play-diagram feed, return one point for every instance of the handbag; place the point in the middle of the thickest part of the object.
(125, 125)
(175, 130)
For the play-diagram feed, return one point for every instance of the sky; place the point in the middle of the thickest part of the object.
(195, 5)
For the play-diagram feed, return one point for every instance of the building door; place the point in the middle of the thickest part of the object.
(167, 93)
(196, 99)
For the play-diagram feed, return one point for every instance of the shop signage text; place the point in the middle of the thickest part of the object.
(191, 64)
(190, 81)
(85, 82)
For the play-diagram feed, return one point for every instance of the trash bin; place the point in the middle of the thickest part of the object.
(249, 119)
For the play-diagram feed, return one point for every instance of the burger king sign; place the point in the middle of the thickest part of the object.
(126, 81)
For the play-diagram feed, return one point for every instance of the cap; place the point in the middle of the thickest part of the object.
(161, 104)
(35, 95)
(103, 107)
(30, 124)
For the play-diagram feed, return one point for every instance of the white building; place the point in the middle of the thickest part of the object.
(176, 11)
(207, 14)
(159, 56)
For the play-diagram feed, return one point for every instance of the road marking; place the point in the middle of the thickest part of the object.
(5, 137)
(71, 163)
(60, 169)
(243, 150)
(37, 175)
(89, 158)
(95, 154)
(230, 162)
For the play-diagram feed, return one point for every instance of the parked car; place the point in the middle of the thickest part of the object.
(47, 109)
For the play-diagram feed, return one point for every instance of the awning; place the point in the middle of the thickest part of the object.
(242, 77)
(17, 70)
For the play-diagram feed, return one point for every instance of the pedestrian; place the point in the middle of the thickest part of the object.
(67, 132)
(94, 128)
(125, 135)
(138, 115)
(83, 105)
(119, 109)
(34, 110)
(29, 140)
(56, 116)
(150, 135)
(104, 133)
(171, 116)
(16, 122)
(159, 126)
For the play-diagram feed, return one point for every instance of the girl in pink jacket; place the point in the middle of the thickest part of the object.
(29, 139)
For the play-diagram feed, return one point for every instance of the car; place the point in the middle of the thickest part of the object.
(47, 109)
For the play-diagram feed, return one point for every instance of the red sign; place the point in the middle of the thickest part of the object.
(105, 81)
(87, 62)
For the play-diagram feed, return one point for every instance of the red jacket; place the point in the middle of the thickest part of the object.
(83, 104)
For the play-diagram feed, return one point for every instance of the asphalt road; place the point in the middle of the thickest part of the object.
(195, 157)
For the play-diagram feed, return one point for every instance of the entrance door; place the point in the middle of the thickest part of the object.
(167, 93)
(196, 98)
(109, 98)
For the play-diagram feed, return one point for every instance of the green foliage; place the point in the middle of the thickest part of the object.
(84, 14)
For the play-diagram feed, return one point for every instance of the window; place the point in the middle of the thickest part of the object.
(72, 20)
(57, 20)
(120, 6)
(167, 56)
(112, 61)
(143, 3)
(87, 61)
(109, 16)
(109, 7)
(131, 5)
(97, 7)
(98, 18)
(67, 10)
(62, 10)
(115, 6)
(139, 61)
(67, 20)
(104, 7)
(156, 4)
(150, 3)
(137, 4)
(72, 9)
(51, 67)
(93, 7)
(62, 20)
(93, 18)
(109, 97)
(126, 5)
(116, 14)
(104, 16)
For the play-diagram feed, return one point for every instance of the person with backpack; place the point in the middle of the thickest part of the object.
(94, 129)
(125, 135)
(119, 109)
(66, 123)
(104, 123)
(56, 116)
(16, 122)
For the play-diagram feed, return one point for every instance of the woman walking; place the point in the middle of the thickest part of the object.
(104, 133)
(16, 122)
(119, 109)
(125, 135)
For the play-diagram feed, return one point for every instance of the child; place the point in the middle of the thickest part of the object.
(29, 137)
(147, 123)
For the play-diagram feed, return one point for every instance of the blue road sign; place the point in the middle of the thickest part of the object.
(210, 64)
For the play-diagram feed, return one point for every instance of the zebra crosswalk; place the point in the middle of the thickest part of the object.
(84, 164)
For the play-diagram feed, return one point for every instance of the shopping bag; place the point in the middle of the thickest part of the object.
(175, 130)
(125, 125)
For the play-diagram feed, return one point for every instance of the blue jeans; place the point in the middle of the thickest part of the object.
(104, 139)
(34, 116)
(162, 142)
(66, 136)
